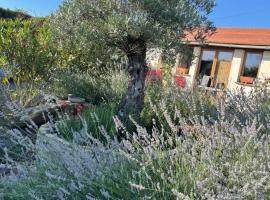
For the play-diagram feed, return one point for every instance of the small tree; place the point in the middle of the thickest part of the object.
(133, 26)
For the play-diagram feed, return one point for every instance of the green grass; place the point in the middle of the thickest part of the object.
(95, 118)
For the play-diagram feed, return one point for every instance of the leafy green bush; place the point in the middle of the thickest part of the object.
(26, 49)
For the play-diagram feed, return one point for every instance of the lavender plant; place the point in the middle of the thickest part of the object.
(195, 156)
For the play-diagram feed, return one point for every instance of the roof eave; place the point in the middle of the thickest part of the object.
(239, 46)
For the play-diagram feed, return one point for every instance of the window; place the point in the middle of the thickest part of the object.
(225, 56)
(207, 62)
(183, 62)
(251, 64)
(185, 59)
(222, 69)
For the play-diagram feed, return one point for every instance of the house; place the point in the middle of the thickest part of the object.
(231, 58)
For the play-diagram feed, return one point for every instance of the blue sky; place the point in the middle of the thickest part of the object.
(34, 7)
(242, 13)
(227, 13)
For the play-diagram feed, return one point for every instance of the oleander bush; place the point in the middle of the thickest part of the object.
(193, 154)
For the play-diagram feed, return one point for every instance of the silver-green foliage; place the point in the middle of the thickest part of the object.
(107, 87)
(221, 156)
(112, 23)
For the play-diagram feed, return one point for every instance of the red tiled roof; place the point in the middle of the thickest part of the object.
(238, 36)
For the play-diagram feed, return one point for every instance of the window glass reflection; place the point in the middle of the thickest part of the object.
(251, 65)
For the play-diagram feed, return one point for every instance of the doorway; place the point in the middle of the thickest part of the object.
(223, 69)
(215, 67)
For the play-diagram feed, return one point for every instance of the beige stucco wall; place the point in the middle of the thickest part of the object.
(264, 70)
(263, 73)
(233, 85)
(191, 78)
(235, 67)
(153, 57)
(237, 60)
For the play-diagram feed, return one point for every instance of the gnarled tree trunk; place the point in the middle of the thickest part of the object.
(132, 103)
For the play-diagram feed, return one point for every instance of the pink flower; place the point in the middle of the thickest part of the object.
(180, 81)
(154, 75)
(64, 104)
(78, 108)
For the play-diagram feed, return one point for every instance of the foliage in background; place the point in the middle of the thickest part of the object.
(9, 14)
(107, 87)
(79, 53)
(26, 49)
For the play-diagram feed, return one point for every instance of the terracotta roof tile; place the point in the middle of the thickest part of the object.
(239, 36)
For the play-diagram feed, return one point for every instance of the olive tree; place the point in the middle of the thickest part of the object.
(133, 27)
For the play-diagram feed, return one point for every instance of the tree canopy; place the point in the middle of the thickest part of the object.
(160, 22)
(133, 27)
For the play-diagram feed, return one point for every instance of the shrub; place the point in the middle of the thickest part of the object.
(166, 98)
(199, 155)
(26, 49)
(108, 87)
